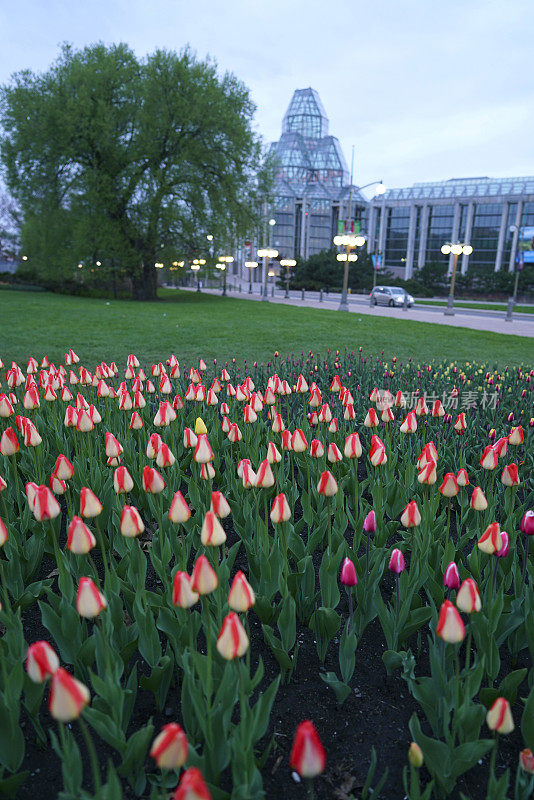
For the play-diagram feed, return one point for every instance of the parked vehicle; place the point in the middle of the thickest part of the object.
(390, 296)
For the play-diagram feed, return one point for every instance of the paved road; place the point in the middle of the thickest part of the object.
(476, 319)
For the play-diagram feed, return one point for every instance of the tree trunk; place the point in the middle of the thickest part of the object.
(145, 281)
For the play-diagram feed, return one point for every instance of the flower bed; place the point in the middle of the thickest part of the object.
(210, 575)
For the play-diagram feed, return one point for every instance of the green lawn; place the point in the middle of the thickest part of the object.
(483, 306)
(192, 325)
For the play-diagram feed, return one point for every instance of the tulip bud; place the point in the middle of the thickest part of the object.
(41, 661)
(369, 523)
(179, 511)
(45, 506)
(153, 483)
(182, 593)
(450, 626)
(415, 756)
(307, 757)
(353, 446)
(204, 579)
(396, 562)
(527, 523)
(212, 532)
(499, 716)
(327, 485)
(200, 427)
(449, 486)
(89, 600)
(90, 505)
(9, 444)
(333, 453)
(316, 449)
(241, 596)
(503, 552)
(170, 747)
(516, 436)
(510, 475)
(468, 598)
(411, 516)
(280, 511)
(427, 475)
(131, 522)
(526, 761)
(265, 477)
(462, 478)
(490, 542)
(348, 575)
(192, 786)
(122, 481)
(3, 535)
(63, 469)
(68, 696)
(478, 499)
(489, 459)
(232, 641)
(80, 540)
(112, 446)
(451, 578)
(203, 452)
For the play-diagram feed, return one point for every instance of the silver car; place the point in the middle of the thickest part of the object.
(390, 296)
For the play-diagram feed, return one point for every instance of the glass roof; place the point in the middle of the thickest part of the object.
(308, 159)
(463, 187)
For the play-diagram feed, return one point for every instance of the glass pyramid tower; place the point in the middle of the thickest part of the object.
(311, 180)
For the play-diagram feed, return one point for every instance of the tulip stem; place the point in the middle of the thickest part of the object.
(13, 460)
(329, 505)
(207, 617)
(92, 754)
(448, 522)
(311, 790)
(4, 589)
(102, 545)
(526, 558)
(351, 610)
(468, 648)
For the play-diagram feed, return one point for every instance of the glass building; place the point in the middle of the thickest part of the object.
(311, 190)
(409, 226)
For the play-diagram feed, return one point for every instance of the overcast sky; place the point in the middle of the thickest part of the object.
(424, 89)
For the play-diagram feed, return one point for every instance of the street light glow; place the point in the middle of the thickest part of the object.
(272, 222)
(380, 189)
(251, 264)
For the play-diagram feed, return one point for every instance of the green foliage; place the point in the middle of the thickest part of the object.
(323, 271)
(115, 159)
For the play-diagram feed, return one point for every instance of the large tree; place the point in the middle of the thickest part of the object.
(129, 162)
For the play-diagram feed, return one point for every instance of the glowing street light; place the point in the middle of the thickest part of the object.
(250, 265)
(456, 249)
(288, 263)
(266, 253)
(224, 261)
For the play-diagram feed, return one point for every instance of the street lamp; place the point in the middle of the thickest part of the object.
(349, 241)
(224, 261)
(457, 249)
(195, 266)
(266, 253)
(288, 263)
(250, 265)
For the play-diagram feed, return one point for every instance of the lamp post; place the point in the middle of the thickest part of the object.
(351, 238)
(456, 248)
(266, 253)
(250, 265)
(288, 263)
(349, 241)
(223, 264)
(195, 266)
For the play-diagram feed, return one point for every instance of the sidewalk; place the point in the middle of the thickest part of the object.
(521, 325)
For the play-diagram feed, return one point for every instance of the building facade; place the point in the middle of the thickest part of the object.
(409, 226)
(406, 227)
